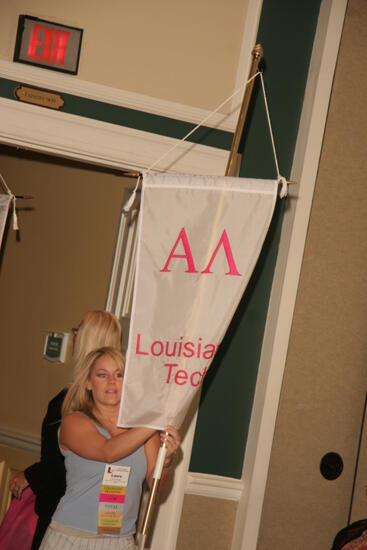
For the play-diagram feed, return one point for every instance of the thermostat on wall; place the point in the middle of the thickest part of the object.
(56, 344)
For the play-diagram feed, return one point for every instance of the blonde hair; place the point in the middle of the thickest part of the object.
(78, 397)
(97, 328)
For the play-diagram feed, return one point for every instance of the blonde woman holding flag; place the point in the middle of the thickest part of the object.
(106, 465)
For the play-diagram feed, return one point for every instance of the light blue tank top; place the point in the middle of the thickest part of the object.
(78, 508)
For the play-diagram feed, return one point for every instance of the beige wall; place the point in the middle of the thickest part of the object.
(58, 268)
(17, 459)
(325, 378)
(186, 52)
(206, 523)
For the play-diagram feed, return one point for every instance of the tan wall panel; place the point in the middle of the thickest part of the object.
(58, 269)
(325, 378)
(186, 52)
(17, 459)
(206, 523)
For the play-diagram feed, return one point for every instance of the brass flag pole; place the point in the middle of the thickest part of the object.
(232, 168)
(232, 164)
(150, 505)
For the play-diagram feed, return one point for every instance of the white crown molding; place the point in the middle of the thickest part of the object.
(122, 98)
(72, 136)
(213, 486)
(71, 84)
(22, 441)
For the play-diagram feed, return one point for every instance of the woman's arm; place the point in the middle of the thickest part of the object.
(18, 483)
(79, 435)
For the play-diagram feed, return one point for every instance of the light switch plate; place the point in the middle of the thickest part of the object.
(55, 347)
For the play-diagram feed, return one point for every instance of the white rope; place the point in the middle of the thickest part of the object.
(127, 206)
(13, 199)
(281, 179)
(202, 122)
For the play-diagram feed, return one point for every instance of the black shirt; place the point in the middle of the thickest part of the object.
(47, 477)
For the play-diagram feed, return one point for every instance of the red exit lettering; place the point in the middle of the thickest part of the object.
(46, 44)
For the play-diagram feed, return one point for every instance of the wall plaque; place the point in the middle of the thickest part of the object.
(36, 96)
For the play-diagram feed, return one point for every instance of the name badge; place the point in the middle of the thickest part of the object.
(112, 499)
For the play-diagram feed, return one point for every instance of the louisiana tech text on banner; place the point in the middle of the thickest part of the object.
(199, 240)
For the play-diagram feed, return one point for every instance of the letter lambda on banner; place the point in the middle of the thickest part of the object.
(227, 249)
(223, 241)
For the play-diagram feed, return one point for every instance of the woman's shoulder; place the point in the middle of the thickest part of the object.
(74, 427)
(77, 418)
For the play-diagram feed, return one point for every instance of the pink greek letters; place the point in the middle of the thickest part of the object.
(187, 255)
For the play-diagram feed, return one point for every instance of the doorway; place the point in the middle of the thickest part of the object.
(54, 269)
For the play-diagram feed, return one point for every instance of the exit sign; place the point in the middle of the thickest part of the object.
(48, 45)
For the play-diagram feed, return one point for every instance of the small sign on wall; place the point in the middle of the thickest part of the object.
(47, 44)
(55, 346)
(37, 96)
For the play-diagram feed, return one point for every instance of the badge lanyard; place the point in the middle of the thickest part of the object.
(112, 498)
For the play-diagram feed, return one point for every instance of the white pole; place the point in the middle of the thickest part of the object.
(153, 494)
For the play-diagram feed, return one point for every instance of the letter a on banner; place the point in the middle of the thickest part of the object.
(199, 240)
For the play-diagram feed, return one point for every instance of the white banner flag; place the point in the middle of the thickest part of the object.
(198, 243)
(4, 208)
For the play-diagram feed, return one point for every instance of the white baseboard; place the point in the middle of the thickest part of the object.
(213, 486)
